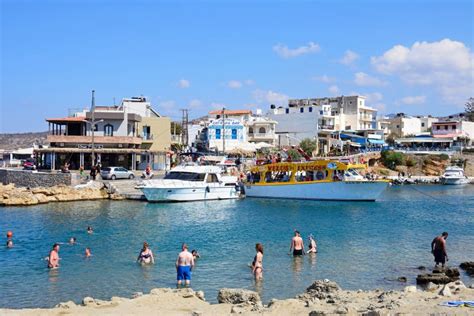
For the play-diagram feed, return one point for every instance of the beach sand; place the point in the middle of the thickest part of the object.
(331, 300)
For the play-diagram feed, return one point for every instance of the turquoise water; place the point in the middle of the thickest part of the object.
(361, 245)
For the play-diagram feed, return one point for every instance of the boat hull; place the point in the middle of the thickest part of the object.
(454, 181)
(332, 191)
(153, 194)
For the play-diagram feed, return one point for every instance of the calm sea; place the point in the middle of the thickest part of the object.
(361, 245)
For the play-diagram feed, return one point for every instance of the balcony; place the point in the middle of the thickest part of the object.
(261, 136)
(327, 127)
(147, 138)
(73, 139)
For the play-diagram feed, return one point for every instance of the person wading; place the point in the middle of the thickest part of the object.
(438, 249)
(184, 265)
(297, 244)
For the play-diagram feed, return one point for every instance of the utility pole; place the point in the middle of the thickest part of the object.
(223, 131)
(184, 127)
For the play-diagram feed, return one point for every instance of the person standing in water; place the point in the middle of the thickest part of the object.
(9, 239)
(184, 265)
(438, 249)
(146, 255)
(313, 248)
(257, 264)
(297, 244)
(89, 230)
(53, 259)
(88, 252)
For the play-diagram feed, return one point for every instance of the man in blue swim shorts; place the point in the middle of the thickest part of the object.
(184, 265)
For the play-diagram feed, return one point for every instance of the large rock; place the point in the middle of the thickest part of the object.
(322, 289)
(238, 296)
(468, 266)
(439, 276)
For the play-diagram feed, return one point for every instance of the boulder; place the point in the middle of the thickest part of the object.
(468, 266)
(439, 276)
(410, 289)
(238, 296)
(322, 289)
(402, 279)
(200, 295)
(87, 301)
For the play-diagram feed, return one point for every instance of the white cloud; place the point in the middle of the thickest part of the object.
(195, 103)
(286, 52)
(373, 97)
(363, 79)
(249, 82)
(184, 84)
(234, 84)
(325, 79)
(349, 58)
(410, 100)
(270, 97)
(446, 65)
(334, 90)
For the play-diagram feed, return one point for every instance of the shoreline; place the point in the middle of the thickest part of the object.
(322, 297)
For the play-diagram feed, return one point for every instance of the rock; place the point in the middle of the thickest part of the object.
(421, 268)
(438, 277)
(402, 279)
(468, 266)
(322, 289)
(137, 294)
(200, 295)
(239, 309)
(87, 301)
(238, 296)
(410, 289)
(197, 313)
(445, 291)
(431, 287)
(317, 313)
(66, 305)
(342, 310)
(453, 273)
(186, 292)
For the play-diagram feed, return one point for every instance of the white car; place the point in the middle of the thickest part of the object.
(112, 173)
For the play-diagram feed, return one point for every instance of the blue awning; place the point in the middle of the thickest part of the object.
(376, 141)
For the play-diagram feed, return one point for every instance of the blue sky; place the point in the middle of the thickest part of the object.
(406, 56)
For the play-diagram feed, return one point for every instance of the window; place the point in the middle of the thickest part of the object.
(320, 112)
(454, 127)
(250, 130)
(287, 111)
(446, 127)
(422, 124)
(186, 176)
(398, 126)
(311, 109)
(301, 110)
(262, 130)
(438, 127)
(211, 178)
(108, 130)
(218, 133)
(234, 133)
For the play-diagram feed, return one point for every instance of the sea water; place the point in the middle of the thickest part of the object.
(361, 245)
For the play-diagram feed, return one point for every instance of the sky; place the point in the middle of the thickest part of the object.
(415, 57)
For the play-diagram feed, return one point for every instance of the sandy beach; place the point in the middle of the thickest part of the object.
(323, 297)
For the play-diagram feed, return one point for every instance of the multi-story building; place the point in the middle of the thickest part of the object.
(456, 130)
(403, 125)
(130, 135)
(426, 122)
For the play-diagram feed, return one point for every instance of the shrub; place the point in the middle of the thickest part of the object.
(308, 146)
(443, 157)
(392, 159)
(294, 154)
(410, 162)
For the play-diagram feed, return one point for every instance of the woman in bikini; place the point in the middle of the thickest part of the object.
(257, 264)
(146, 255)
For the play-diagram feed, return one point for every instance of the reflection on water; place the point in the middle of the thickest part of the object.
(373, 241)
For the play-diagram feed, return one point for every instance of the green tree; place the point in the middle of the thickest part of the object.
(470, 109)
(294, 154)
(392, 159)
(308, 146)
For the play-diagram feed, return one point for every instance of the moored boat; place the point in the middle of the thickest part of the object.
(191, 183)
(454, 175)
(315, 180)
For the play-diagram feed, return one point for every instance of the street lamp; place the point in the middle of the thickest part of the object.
(93, 123)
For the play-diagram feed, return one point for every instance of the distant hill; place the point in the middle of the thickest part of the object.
(22, 140)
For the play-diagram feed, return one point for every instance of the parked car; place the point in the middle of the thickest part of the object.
(29, 164)
(112, 173)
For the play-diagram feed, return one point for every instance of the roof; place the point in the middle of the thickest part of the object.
(66, 119)
(231, 112)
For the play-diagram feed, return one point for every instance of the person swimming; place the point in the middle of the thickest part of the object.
(89, 230)
(146, 255)
(313, 247)
(195, 254)
(72, 240)
(257, 264)
(88, 252)
(53, 259)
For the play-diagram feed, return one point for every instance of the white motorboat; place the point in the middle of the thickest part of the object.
(454, 175)
(191, 183)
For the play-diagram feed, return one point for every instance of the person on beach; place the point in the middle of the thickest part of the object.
(93, 173)
(53, 259)
(313, 247)
(184, 265)
(438, 249)
(88, 252)
(257, 264)
(297, 244)
(89, 230)
(195, 254)
(146, 255)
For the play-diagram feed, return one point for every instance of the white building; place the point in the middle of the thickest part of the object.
(454, 130)
(426, 122)
(402, 125)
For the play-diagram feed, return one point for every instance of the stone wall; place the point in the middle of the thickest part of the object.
(26, 178)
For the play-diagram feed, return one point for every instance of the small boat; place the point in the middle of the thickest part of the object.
(454, 175)
(314, 180)
(191, 183)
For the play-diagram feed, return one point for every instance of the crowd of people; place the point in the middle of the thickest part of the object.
(186, 260)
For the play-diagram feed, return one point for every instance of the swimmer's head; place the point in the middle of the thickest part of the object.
(56, 246)
(184, 246)
(9, 234)
(145, 245)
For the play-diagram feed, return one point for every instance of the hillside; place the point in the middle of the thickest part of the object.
(21, 140)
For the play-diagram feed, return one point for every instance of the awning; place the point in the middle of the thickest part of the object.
(376, 141)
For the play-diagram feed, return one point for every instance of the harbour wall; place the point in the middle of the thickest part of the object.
(33, 179)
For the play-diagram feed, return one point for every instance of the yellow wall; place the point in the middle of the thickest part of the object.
(161, 131)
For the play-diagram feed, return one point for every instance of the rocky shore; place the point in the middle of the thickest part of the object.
(10, 195)
(323, 297)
